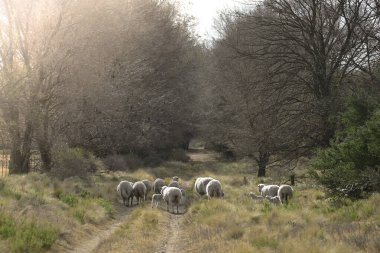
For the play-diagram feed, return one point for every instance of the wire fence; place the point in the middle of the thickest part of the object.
(5, 157)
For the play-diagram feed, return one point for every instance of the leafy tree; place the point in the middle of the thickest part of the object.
(352, 164)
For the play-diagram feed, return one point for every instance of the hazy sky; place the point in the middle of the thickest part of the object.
(205, 11)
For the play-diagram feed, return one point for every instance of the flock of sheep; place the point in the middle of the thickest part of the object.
(172, 194)
(274, 193)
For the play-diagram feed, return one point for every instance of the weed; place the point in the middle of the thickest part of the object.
(109, 209)
(33, 237)
(262, 242)
(80, 215)
(25, 235)
(69, 198)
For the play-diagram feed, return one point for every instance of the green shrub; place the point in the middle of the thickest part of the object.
(33, 237)
(351, 165)
(4, 191)
(108, 207)
(25, 235)
(69, 198)
(7, 226)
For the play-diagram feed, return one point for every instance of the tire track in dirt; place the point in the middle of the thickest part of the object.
(94, 242)
(173, 239)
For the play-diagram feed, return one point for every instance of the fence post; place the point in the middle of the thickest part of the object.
(292, 179)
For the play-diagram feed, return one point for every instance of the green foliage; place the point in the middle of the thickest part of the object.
(262, 242)
(69, 198)
(108, 207)
(7, 226)
(80, 215)
(25, 235)
(351, 165)
(267, 207)
(4, 191)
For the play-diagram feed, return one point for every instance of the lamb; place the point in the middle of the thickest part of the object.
(156, 198)
(175, 178)
(275, 200)
(163, 188)
(201, 183)
(214, 189)
(139, 190)
(174, 184)
(173, 196)
(125, 190)
(148, 186)
(157, 185)
(255, 197)
(268, 190)
(285, 192)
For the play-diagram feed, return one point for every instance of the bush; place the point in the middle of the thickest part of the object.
(69, 162)
(179, 155)
(69, 198)
(25, 235)
(351, 165)
(122, 162)
(153, 159)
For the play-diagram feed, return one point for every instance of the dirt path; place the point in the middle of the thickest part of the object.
(175, 235)
(173, 239)
(94, 242)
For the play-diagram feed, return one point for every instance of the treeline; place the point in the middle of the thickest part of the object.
(112, 77)
(292, 76)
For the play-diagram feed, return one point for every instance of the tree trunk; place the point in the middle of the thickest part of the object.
(46, 157)
(20, 146)
(262, 162)
(20, 151)
(44, 144)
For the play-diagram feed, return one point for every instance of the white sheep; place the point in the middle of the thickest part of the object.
(173, 184)
(172, 196)
(201, 184)
(275, 200)
(175, 178)
(148, 186)
(255, 197)
(214, 189)
(156, 198)
(285, 192)
(157, 185)
(125, 190)
(268, 190)
(163, 188)
(183, 192)
(139, 191)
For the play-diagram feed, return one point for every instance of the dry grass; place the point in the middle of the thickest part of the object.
(308, 224)
(144, 232)
(76, 208)
(79, 209)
